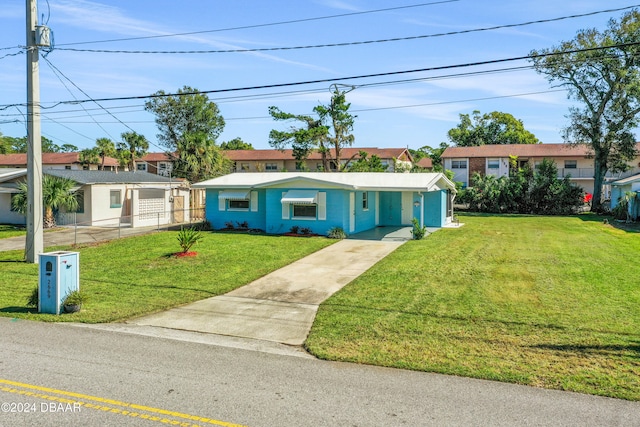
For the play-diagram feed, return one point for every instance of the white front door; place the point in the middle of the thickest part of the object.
(407, 207)
(352, 212)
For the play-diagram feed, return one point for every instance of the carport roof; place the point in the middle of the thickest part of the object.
(370, 181)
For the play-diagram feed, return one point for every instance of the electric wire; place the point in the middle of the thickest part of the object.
(350, 78)
(58, 73)
(353, 43)
(245, 27)
(85, 94)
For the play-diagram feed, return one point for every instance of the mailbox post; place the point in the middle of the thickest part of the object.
(59, 275)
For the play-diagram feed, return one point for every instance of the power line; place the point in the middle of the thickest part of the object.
(245, 27)
(358, 77)
(397, 107)
(85, 94)
(336, 79)
(343, 44)
(58, 73)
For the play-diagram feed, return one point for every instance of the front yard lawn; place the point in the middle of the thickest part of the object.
(546, 301)
(135, 276)
(11, 231)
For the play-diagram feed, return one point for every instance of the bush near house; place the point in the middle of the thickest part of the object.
(524, 191)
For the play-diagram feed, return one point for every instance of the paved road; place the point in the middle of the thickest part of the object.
(116, 378)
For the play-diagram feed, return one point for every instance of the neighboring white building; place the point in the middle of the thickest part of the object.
(108, 198)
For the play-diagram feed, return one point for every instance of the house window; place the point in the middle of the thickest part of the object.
(164, 168)
(80, 199)
(458, 164)
(493, 164)
(305, 211)
(570, 164)
(115, 199)
(365, 201)
(142, 167)
(271, 167)
(67, 167)
(239, 204)
(244, 166)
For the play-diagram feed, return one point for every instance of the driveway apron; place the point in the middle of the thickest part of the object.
(282, 305)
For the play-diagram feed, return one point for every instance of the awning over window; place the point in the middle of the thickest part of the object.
(301, 197)
(234, 195)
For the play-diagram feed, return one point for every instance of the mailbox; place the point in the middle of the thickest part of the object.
(59, 275)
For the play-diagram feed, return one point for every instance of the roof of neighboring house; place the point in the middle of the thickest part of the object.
(50, 159)
(425, 163)
(8, 173)
(371, 181)
(109, 177)
(520, 150)
(156, 157)
(627, 180)
(347, 153)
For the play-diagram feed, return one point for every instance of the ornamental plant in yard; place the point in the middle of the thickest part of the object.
(187, 237)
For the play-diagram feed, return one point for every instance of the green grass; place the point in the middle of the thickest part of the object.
(545, 301)
(135, 276)
(11, 231)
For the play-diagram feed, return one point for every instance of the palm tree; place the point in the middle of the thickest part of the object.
(137, 145)
(105, 148)
(88, 157)
(56, 194)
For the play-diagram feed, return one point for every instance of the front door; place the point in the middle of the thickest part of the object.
(407, 207)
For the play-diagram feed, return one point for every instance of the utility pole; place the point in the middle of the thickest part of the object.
(35, 240)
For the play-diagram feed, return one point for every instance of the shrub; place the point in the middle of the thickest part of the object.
(187, 237)
(229, 225)
(305, 230)
(418, 232)
(294, 229)
(75, 298)
(336, 233)
(32, 301)
(244, 225)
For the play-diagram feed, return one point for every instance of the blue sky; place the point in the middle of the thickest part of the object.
(390, 112)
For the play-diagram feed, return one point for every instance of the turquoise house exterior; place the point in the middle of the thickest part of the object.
(277, 201)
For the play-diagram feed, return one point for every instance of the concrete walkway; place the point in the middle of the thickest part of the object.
(282, 305)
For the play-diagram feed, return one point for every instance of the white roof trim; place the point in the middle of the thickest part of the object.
(9, 190)
(301, 197)
(369, 181)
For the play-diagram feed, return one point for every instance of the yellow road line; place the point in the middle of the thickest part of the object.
(112, 402)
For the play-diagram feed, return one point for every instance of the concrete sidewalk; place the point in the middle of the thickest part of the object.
(282, 305)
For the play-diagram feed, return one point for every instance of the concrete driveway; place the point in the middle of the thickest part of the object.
(282, 305)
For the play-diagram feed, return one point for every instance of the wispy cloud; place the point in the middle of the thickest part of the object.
(337, 4)
(96, 16)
